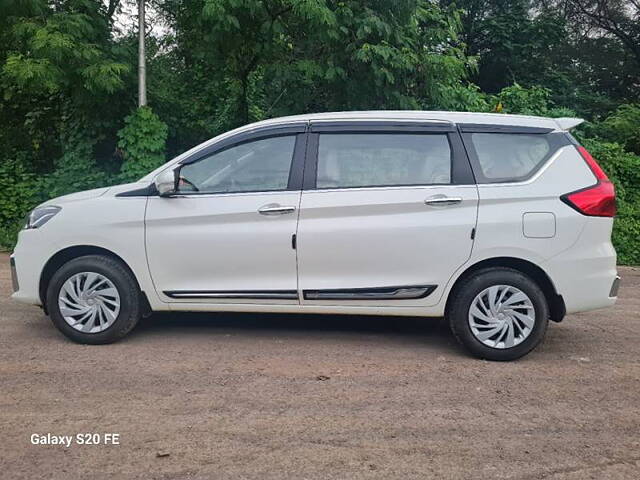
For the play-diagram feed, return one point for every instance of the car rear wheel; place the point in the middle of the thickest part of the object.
(94, 299)
(498, 314)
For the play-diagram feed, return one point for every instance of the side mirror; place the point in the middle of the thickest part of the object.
(167, 182)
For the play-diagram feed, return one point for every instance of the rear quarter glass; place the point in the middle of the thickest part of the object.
(503, 157)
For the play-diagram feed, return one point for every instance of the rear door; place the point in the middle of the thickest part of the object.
(387, 213)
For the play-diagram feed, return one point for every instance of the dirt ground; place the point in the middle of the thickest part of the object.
(244, 396)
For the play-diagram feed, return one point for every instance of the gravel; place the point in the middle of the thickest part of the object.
(248, 396)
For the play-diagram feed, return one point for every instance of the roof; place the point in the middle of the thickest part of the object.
(402, 115)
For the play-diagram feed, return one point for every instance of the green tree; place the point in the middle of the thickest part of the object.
(380, 55)
(549, 43)
(142, 141)
(616, 18)
(623, 126)
(58, 61)
(267, 58)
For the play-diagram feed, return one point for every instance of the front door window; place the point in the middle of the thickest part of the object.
(256, 166)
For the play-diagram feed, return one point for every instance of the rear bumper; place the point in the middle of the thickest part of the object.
(587, 285)
(586, 275)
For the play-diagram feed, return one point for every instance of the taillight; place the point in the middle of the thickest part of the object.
(598, 200)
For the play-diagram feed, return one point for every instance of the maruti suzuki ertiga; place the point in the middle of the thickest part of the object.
(496, 222)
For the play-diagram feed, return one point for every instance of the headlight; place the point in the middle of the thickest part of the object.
(41, 215)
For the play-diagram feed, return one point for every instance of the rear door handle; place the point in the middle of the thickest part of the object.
(443, 201)
(276, 209)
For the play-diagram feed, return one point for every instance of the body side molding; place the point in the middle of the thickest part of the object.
(408, 292)
(240, 294)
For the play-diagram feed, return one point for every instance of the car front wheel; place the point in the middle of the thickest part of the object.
(498, 314)
(94, 299)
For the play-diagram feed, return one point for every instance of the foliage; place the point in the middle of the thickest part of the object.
(513, 44)
(623, 168)
(75, 170)
(617, 18)
(534, 100)
(623, 126)
(68, 118)
(20, 194)
(586, 52)
(142, 141)
(290, 56)
(526, 101)
(59, 49)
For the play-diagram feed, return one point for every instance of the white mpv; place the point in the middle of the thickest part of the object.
(496, 222)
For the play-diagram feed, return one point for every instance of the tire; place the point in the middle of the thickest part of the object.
(111, 322)
(515, 315)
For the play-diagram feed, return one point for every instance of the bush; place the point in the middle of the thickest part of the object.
(525, 101)
(23, 189)
(75, 171)
(142, 141)
(20, 193)
(623, 126)
(528, 101)
(623, 168)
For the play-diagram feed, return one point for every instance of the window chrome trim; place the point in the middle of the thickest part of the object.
(390, 187)
(382, 126)
(231, 194)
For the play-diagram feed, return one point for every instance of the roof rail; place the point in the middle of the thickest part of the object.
(567, 123)
(382, 119)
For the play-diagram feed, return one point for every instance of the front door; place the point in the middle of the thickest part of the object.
(227, 235)
(386, 217)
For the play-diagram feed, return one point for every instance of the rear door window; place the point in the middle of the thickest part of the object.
(509, 157)
(369, 160)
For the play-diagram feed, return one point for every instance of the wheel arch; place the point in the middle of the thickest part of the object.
(555, 301)
(67, 254)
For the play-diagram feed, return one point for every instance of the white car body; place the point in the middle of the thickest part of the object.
(367, 240)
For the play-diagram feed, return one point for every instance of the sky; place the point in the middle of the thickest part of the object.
(126, 19)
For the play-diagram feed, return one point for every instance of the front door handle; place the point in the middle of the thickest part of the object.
(442, 200)
(276, 209)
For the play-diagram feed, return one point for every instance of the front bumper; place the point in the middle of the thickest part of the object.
(27, 262)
